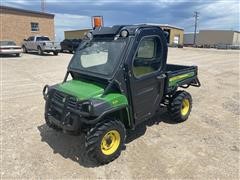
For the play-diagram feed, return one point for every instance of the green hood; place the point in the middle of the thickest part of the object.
(80, 89)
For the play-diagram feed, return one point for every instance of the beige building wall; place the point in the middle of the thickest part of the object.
(76, 34)
(17, 25)
(174, 32)
(214, 37)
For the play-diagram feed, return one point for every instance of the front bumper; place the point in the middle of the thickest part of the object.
(60, 110)
(65, 124)
(11, 51)
(51, 49)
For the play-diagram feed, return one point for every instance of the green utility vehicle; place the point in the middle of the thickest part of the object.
(117, 79)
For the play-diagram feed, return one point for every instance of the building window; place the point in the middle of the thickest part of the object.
(34, 26)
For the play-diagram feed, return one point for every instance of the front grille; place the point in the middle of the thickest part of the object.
(59, 96)
(72, 103)
(61, 103)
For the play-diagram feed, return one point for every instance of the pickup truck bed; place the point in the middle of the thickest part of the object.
(180, 76)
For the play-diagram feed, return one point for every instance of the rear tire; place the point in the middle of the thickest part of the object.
(105, 141)
(55, 53)
(180, 106)
(18, 55)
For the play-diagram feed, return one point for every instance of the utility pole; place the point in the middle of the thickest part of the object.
(43, 6)
(196, 15)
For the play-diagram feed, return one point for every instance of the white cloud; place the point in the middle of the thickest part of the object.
(220, 15)
(16, 2)
(162, 3)
(64, 22)
(214, 15)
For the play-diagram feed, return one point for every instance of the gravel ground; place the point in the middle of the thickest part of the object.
(206, 146)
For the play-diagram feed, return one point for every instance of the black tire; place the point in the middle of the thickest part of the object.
(25, 49)
(55, 53)
(96, 141)
(40, 52)
(18, 54)
(180, 106)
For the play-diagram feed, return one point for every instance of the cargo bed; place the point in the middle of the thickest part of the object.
(180, 76)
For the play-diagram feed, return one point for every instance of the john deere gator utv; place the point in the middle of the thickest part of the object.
(117, 79)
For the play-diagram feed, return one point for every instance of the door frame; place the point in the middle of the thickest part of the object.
(158, 74)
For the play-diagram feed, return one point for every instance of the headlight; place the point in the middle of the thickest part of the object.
(87, 106)
(124, 33)
(90, 35)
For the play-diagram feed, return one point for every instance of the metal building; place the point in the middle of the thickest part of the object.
(75, 34)
(214, 38)
(188, 39)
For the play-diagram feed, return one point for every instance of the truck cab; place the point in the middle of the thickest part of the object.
(118, 78)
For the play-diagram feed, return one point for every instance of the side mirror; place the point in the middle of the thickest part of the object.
(25, 40)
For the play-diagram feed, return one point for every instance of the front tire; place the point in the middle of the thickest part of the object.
(105, 141)
(180, 106)
(40, 52)
(25, 49)
(55, 53)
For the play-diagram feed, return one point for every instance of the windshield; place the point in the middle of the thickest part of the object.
(99, 57)
(43, 38)
(7, 43)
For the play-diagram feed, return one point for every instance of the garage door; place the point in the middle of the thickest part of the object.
(176, 39)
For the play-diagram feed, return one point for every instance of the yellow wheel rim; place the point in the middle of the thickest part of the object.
(110, 142)
(185, 107)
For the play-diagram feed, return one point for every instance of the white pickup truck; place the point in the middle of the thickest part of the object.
(40, 44)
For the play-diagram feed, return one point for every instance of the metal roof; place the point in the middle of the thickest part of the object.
(163, 25)
(25, 11)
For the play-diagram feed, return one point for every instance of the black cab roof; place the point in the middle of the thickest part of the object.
(114, 30)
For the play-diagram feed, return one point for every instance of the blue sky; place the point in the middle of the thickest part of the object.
(76, 14)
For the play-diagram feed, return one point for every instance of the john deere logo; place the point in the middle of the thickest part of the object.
(64, 100)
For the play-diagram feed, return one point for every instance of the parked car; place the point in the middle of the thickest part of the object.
(70, 45)
(10, 47)
(40, 44)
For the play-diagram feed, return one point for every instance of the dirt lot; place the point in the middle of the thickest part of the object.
(205, 146)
